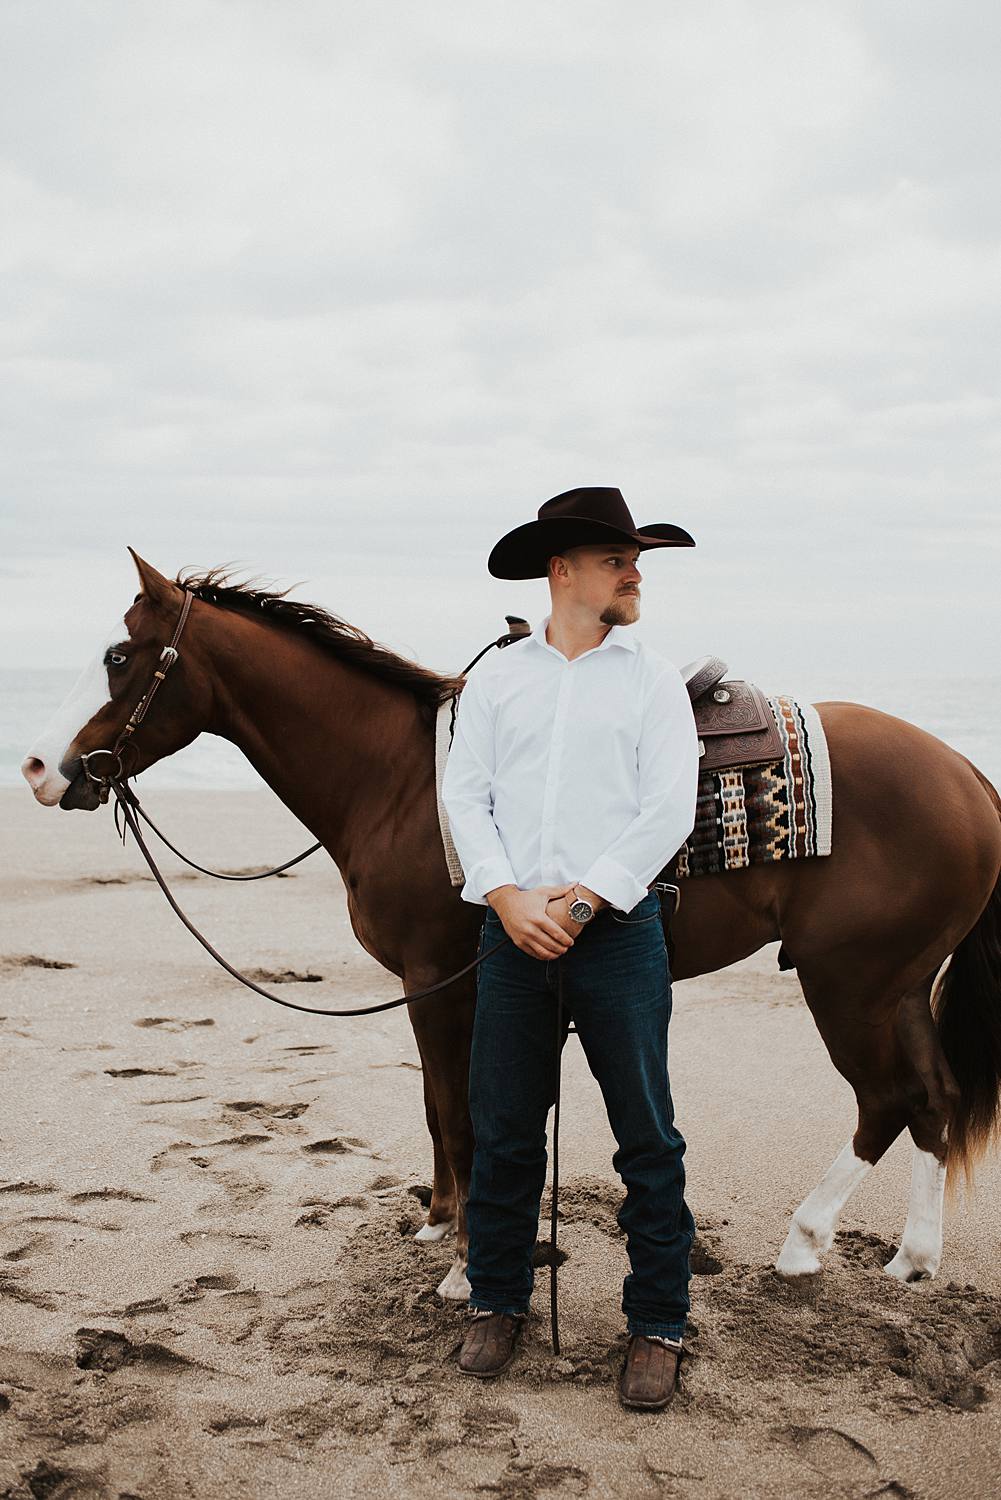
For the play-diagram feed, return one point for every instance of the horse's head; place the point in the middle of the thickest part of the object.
(98, 707)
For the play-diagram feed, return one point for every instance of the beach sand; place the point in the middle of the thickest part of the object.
(209, 1284)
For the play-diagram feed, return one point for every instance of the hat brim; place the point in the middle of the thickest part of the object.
(525, 551)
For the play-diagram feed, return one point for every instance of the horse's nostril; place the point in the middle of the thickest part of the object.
(33, 770)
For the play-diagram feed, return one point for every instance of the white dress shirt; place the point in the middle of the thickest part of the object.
(561, 771)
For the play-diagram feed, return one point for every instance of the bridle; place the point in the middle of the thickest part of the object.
(115, 781)
(168, 656)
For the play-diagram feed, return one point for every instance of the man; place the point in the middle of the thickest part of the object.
(570, 784)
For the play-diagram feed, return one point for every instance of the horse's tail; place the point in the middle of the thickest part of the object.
(968, 1014)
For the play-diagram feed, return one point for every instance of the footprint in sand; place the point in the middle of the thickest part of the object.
(29, 1189)
(14, 962)
(106, 1226)
(283, 976)
(121, 1195)
(171, 1023)
(55, 1479)
(33, 1245)
(322, 1213)
(831, 1452)
(222, 1239)
(173, 1099)
(13, 1288)
(242, 1188)
(231, 1315)
(107, 1350)
(702, 1261)
(388, 1180)
(522, 1477)
(268, 1113)
(141, 1072)
(337, 1146)
(222, 1282)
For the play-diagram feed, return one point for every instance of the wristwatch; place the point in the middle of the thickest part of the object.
(580, 910)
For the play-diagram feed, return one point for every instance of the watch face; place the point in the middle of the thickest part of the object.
(582, 911)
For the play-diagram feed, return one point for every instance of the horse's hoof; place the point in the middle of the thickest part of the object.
(433, 1234)
(909, 1266)
(799, 1255)
(455, 1287)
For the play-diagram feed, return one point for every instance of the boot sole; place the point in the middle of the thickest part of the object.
(488, 1374)
(645, 1405)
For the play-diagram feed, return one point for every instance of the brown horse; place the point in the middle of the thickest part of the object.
(342, 729)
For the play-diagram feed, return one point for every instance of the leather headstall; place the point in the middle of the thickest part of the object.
(168, 656)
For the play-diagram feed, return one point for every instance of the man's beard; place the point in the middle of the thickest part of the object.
(620, 610)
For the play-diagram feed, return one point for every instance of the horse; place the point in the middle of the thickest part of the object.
(342, 729)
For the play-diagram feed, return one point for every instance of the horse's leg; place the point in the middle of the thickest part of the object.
(865, 1047)
(921, 1246)
(442, 1210)
(443, 1029)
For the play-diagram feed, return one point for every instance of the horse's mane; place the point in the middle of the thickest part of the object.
(351, 645)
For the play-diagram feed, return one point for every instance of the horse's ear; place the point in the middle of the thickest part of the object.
(158, 590)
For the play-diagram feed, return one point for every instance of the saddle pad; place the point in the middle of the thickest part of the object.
(444, 730)
(782, 810)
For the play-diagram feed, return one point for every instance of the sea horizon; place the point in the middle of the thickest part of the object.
(965, 712)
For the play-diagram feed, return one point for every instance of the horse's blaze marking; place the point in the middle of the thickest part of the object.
(89, 694)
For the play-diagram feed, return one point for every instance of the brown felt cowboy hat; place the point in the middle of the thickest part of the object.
(573, 519)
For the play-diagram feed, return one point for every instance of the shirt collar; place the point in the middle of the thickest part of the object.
(618, 635)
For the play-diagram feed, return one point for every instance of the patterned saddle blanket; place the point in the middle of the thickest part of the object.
(752, 815)
(749, 815)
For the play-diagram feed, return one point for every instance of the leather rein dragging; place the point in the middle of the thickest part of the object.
(115, 781)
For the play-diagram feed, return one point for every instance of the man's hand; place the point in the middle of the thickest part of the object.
(528, 923)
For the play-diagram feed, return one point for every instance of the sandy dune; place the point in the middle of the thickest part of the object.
(208, 1279)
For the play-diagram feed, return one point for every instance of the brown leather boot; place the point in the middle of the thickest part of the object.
(489, 1344)
(650, 1374)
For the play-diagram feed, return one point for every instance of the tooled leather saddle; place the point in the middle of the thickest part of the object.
(735, 726)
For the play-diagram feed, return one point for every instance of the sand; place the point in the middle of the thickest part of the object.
(209, 1284)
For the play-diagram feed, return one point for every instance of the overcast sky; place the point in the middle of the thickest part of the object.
(342, 292)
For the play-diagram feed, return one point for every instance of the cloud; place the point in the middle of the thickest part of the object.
(346, 292)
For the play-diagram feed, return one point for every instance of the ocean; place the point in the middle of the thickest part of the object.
(963, 711)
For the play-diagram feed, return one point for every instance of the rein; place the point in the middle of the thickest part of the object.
(125, 799)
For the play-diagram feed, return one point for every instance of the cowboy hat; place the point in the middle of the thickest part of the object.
(574, 518)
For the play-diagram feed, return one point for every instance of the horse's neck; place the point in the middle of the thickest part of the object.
(337, 745)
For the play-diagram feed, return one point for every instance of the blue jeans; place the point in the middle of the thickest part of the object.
(617, 989)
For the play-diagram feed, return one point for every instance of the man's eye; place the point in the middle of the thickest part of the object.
(114, 659)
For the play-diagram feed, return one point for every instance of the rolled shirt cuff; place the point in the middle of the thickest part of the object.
(487, 876)
(613, 882)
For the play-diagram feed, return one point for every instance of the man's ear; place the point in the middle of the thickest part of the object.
(157, 589)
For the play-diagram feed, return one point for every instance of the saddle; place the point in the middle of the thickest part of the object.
(735, 725)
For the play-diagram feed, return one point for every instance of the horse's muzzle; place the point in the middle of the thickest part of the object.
(81, 793)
